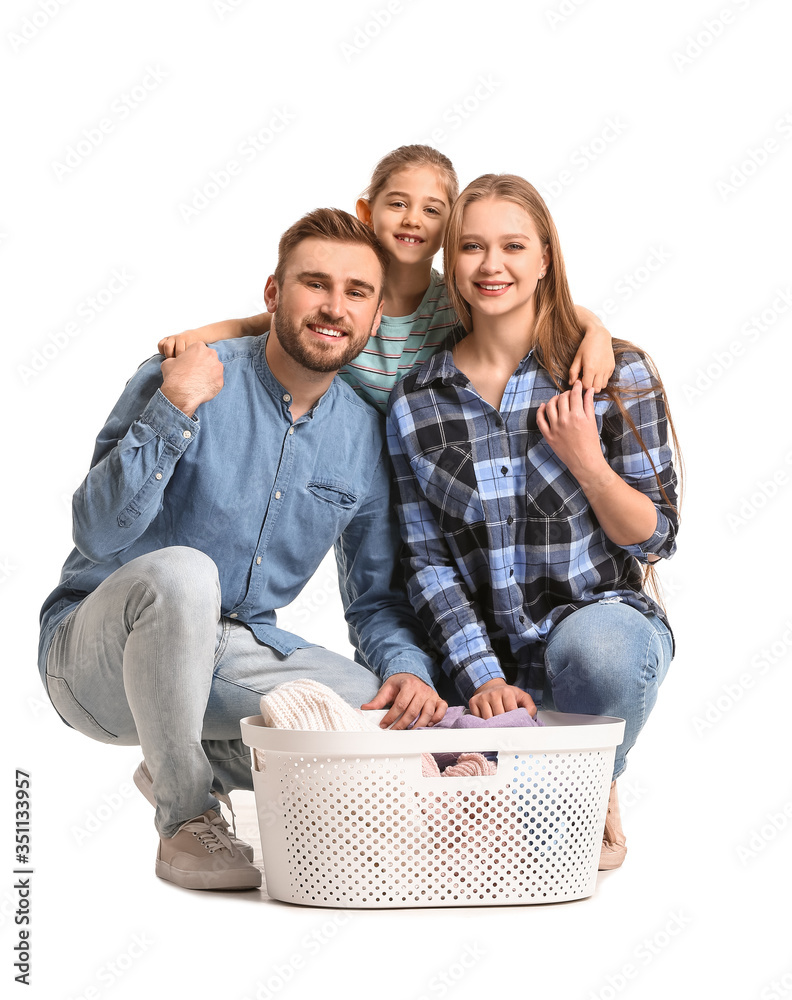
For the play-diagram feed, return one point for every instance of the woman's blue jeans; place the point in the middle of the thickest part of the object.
(608, 659)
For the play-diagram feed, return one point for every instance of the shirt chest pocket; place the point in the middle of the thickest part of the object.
(552, 489)
(331, 491)
(447, 478)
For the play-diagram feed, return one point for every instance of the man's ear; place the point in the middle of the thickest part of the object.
(363, 212)
(377, 318)
(271, 294)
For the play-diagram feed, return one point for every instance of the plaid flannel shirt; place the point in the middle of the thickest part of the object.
(501, 542)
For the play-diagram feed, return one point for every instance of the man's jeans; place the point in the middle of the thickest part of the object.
(147, 659)
(608, 659)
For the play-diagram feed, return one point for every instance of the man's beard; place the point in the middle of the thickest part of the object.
(316, 356)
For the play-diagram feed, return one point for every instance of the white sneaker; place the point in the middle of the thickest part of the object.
(142, 778)
(201, 856)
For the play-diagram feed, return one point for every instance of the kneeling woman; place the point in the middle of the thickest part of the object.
(532, 511)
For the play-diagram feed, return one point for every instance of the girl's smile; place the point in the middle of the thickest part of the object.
(409, 215)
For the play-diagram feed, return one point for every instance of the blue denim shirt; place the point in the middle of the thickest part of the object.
(263, 496)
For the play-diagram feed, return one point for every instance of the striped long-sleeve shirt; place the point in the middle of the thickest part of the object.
(400, 343)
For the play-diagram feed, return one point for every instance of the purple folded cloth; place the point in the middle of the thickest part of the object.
(458, 717)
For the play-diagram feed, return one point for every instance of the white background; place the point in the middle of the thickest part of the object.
(602, 89)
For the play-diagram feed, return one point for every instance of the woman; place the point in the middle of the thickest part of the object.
(528, 508)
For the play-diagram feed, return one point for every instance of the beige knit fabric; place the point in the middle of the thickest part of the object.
(310, 706)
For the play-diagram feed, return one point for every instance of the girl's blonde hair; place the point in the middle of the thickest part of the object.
(557, 333)
(413, 156)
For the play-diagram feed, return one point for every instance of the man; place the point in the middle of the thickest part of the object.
(220, 480)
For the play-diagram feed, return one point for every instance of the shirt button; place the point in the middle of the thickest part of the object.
(234, 615)
(511, 572)
(498, 422)
(286, 397)
(158, 475)
(186, 434)
(291, 430)
(504, 470)
(522, 620)
(277, 495)
(509, 519)
(258, 561)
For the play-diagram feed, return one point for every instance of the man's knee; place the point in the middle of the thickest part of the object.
(180, 574)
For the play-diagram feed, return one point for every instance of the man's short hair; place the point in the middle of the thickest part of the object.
(329, 224)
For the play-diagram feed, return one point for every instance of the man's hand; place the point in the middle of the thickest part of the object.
(496, 697)
(411, 701)
(195, 377)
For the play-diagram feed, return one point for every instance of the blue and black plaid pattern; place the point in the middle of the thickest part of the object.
(501, 542)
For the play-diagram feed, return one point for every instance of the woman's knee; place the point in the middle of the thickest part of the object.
(604, 637)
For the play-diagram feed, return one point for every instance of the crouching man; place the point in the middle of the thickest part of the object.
(219, 482)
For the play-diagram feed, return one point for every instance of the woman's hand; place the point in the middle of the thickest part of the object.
(569, 425)
(411, 701)
(496, 697)
(594, 362)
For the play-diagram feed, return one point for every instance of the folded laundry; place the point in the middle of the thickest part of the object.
(314, 707)
(462, 765)
(458, 717)
(309, 705)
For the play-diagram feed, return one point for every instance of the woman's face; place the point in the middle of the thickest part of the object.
(500, 258)
(410, 214)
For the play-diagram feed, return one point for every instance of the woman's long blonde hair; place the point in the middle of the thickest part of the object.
(557, 333)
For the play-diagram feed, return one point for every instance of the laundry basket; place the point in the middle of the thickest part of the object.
(348, 820)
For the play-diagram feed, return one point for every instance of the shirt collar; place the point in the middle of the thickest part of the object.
(272, 384)
(441, 368)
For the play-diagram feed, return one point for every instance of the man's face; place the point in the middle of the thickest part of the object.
(328, 304)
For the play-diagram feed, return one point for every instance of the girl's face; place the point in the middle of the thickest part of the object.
(500, 258)
(410, 214)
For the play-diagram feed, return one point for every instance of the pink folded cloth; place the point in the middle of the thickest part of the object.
(467, 765)
(470, 764)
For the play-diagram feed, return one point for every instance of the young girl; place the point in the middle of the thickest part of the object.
(407, 204)
(527, 506)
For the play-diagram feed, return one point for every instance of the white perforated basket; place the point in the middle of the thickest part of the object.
(347, 819)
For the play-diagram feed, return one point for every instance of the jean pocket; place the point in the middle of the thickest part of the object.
(72, 712)
(447, 478)
(223, 633)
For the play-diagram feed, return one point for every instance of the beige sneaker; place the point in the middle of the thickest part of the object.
(614, 846)
(201, 856)
(145, 785)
